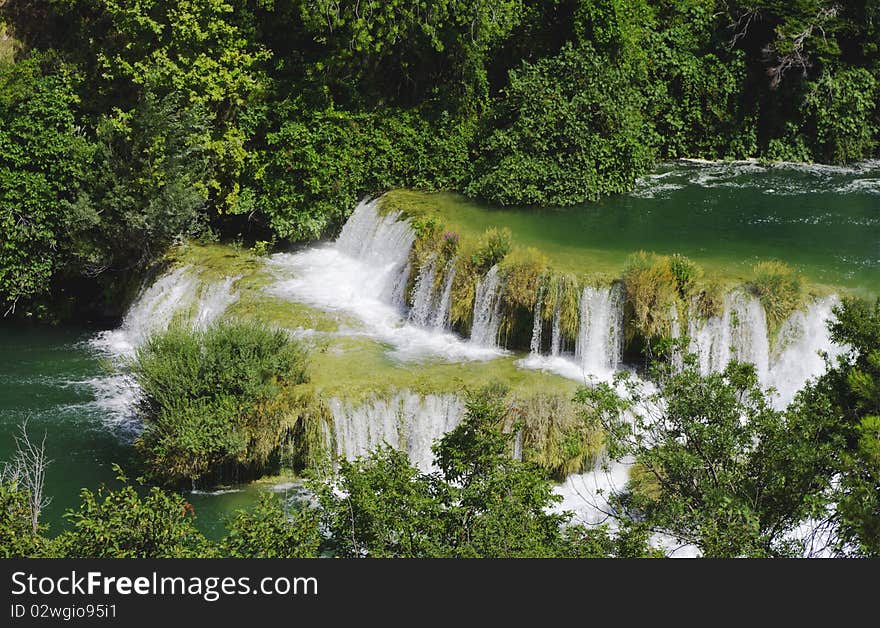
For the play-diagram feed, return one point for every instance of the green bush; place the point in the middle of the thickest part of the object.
(122, 523)
(569, 129)
(779, 289)
(215, 403)
(17, 536)
(271, 530)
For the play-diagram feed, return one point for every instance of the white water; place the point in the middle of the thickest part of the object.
(537, 324)
(741, 334)
(176, 294)
(801, 339)
(600, 334)
(405, 421)
(360, 274)
(423, 295)
(599, 344)
(487, 309)
(440, 320)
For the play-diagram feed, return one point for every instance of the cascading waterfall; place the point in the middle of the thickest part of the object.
(487, 305)
(537, 324)
(405, 421)
(750, 342)
(430, 309)
(600, 334)
(178, 293)
(440, 320)
(363, 274)
(741, 333)
(799, 343)
(556, 330)
(423, 295)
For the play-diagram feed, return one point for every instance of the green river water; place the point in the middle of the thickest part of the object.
(823, 221)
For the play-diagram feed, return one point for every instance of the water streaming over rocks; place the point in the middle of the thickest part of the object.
(487, 302)
(405, 420)
(365, 274)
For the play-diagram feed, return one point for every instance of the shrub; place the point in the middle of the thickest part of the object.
(779, 289)
(271, 530)
(557, 436)
(17, 537)
(651, 289)
(123, 524)
(215, 403)
(493, 246)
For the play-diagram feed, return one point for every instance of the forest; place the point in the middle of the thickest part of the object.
(126, 126)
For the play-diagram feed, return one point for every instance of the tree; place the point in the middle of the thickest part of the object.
(849, 395)
(719, 468)
(271, 529)
(569, 129)
(120, 523)
(480, 503)
(43, 157)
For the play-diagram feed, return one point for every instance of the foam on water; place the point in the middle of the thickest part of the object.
(358, 275)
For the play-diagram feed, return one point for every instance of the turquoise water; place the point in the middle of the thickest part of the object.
(824, 221)
(51, 379)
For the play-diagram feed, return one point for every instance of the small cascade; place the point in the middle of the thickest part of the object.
(179, 293)
(750, 342)
(537, 324)
(364, 275)
(440, 320)
(800, 342)
(152, 311)
(422, 309)
(487, 305)
(710, 342)
(600, 335)
(214, 300)
(675, 333)
(382, 241)
(556, 330)
(405, 421)
(398, 286)
(740, 333)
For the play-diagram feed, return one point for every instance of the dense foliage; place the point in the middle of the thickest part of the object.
(215, 402)
(125, 125)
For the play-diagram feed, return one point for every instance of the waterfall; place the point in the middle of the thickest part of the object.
(487, 306)
(749, 333)
(556, 329)
(675, 333)
(430, 309)
(405, 421)
(423, 295)
(710, 341)
(444, 303)
(800, 340)
(381, 241)
(363, 274)
(214, 300)
(177, 294)
(600, 334)
(741, 334)
(537, 324)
